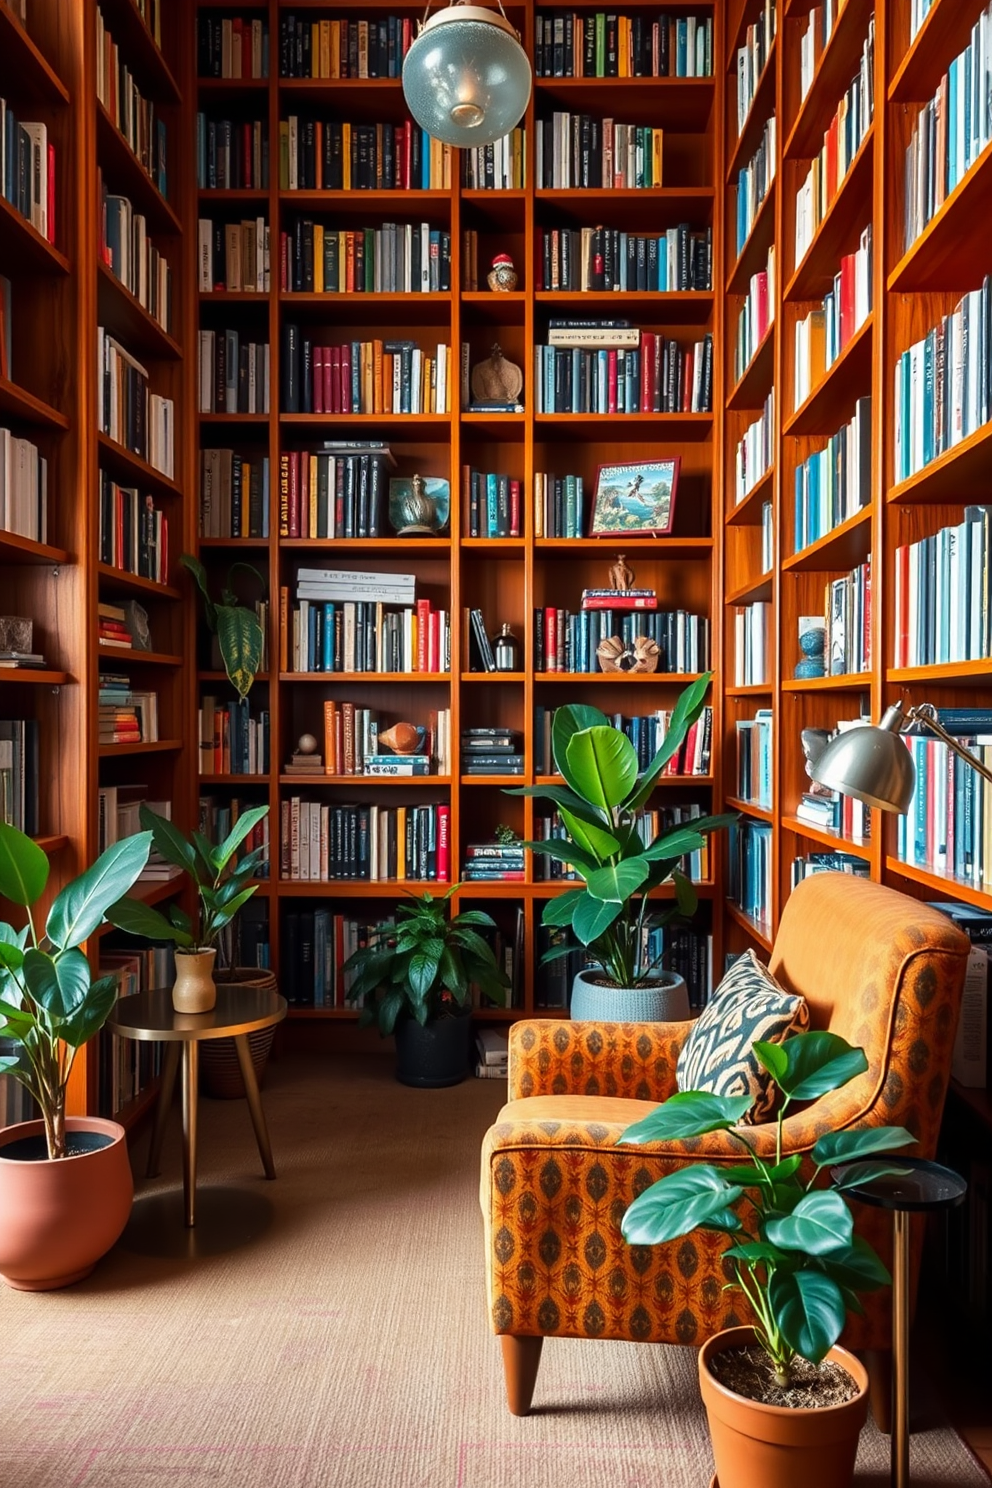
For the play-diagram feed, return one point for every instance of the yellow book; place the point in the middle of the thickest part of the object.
(378, 372)
(312, 514)
(656, 139)
(367, 382)
(315, 49)
(318, 258)
(446, 167)
(325, 49)
(335, 67)
(342, 260)
(346, 155)
(623, 41)
(402, 866)
(516, 146)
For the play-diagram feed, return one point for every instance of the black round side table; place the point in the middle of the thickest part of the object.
(923, 1187)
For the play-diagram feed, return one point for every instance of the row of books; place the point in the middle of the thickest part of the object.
(332, 493)
(396, 258)
(344, 48)
(501, 166)
(23, 487)
(942, 604)
(607, 45)
(647, 733)
(234, 494)
(127, 410)
(27, 170)
(233, 256)
(948, 826)
(134, 533)
(847, 621)
(754, 758)
(595, 258)
(363, 376)
(576, 151)
(655, 376)
(233, 373)
(218, 816)
(493, 502)
(827, 862)
(942, 391)
(950, 131)
(567, 642)
(125, 715)
(395, 634)
(819, 28)
(834, 483)
(755, 315)
(751, 58)
(352, 745)
(232, 47)
(132, 257)
(322, 843)
(753, 184)
(231, 154)
(331, 155)
(128, 1066)
(841, 142)
(751, 635)
(749, 860)
(135, 116)
(232, 740)
(20, 774)
(832, 812)
(822, 335)
(559, 505)
(753, 453)
(318, 943)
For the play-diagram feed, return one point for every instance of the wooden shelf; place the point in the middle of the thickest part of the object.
(848, 682)
(827, 837)
(747, 512)
(587, 426)
(749, 690)
(615, 679)
(359, 544)
(23, 249)
(17, 403)
(24, 550)
(944, 33)
(952, 250)
(843, 547)
(761, 108)
(838, 64)
(946, 673)
(342, 421)
(672, 306)
(123, 314)
(661, 547)
(116, 578)
(960, 475)
(755, 928)
(52, 844)
(754, 253)
(363, 781)
(749, 808)
(33, 676)
(844, 380)
(751, 389)
(124, 172)
(133, 468)
(942, 885)
(128, 655)
(839, 228)
(36, 80)
(155, 746)
(677, 103)
(137, 44)
(758, 588)
(347, 677)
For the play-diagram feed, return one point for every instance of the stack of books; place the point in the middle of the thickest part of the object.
(609, 367)
(492, 1046)
(112, 628)
(492, 751)
(233, 256)
(125, 717)
(497, 862)
(361, 622)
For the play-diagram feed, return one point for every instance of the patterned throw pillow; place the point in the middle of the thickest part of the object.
(749, 1005)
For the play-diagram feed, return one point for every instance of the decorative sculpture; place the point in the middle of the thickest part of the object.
(403, 738)
(502, 276)
(621, 576)
(641, 656)
(496, 380)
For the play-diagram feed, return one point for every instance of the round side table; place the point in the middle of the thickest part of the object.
(923, 1188)
(239, 1011)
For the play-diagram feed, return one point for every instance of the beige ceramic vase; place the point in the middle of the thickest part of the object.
(194, 990)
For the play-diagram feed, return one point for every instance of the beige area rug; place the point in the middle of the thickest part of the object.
(347, 1344)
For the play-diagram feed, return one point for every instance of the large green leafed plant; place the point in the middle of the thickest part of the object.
(796, 1257)
(237, 628)
(600, 802)
(49, 1003)
(425, 964)
(222, 883)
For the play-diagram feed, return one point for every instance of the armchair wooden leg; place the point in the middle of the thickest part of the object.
(878, 1363)
(521, 1361)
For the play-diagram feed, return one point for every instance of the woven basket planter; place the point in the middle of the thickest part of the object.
(220, 1073)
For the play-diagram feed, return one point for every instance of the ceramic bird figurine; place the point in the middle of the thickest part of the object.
(502, 277)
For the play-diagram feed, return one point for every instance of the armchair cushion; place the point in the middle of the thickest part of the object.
(717, 1055)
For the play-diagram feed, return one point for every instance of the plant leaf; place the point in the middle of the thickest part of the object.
(564, 851)
(560, 909)
(819, 1223)
(602, 764)
(677, 1204)
(167, 839)
(473, 917)
(857, 1267)
(245, 823)
(868, 1172)
(59, 986)
(91, 1016)
(690, 1113)
(23, 867)
(673, 845)
(615, 883)
(844, 1146)
(81, 906)
(568, 720)
(809, 1065)
(141, 919)
(595, 840)
(591, 917)
(199, 573)
(688, 707)
(810, 1311)
(422, 972)
(562, 797)
(778, 1173)
(240, 636)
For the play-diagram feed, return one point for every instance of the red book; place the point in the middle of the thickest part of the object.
(434, 641)
(831, 183)
(318, 380)
(423, 627)
(515, 528)
(346, 379)
(443, 843)
(621, 602)
(550, 640)
(294, 494)
(847, 273)
(334, 403)
(687, 373)
(611, 380)
(51, 193)
(760, 288)
(649, 350)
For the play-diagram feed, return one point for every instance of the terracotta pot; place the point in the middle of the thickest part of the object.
(57, 1218)
(220, 1072)
(194, 990)
(773, 1446)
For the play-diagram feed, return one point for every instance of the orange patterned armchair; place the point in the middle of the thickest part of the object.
(875, 966)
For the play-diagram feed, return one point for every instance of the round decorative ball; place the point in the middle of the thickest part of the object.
(306, 744)
(502, 276)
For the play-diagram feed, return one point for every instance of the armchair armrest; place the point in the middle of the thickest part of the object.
(636, 1061)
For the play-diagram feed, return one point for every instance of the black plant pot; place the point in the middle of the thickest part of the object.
(435, 1054)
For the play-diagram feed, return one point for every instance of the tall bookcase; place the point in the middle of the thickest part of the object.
(508, 578)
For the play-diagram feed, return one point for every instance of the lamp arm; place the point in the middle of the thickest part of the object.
(925, 713)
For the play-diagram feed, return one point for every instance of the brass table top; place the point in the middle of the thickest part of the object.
(150, 1016)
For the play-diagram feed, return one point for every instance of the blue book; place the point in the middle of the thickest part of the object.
(492, 506)
(328, 656)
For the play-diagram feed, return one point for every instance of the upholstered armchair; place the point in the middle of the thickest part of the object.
(875, 966)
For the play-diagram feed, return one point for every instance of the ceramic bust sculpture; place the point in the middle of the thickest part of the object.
(416, 510)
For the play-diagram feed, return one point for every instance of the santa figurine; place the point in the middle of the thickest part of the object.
(502, 276)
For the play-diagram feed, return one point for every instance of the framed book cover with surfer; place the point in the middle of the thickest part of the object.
(635, 498)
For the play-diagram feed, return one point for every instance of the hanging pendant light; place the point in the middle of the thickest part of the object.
(466, 78)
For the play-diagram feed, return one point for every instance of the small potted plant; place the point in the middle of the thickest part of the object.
(236, 629)
(601, 802)
(785, 1404)
(414, 980)
(65, 1181)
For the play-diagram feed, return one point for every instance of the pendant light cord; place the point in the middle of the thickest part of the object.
(427, 11)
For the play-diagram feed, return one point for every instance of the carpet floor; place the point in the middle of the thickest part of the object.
(344, 1341)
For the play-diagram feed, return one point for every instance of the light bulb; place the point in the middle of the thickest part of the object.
(466, 78)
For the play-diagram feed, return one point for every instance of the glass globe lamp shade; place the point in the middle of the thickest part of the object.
(466, 78)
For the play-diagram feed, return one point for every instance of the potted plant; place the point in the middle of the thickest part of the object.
(65, 1181)
(414, 979)
(236, 629)
(601, 801)
(777, 1415)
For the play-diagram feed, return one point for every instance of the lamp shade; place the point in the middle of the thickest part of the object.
(872, 764)
(466, 78)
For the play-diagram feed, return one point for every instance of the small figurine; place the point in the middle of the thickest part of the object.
(621, 577)
(496, 380)
(415, 511)
(502, 275)
(812, 643)
(641, 657)
(403, 738)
